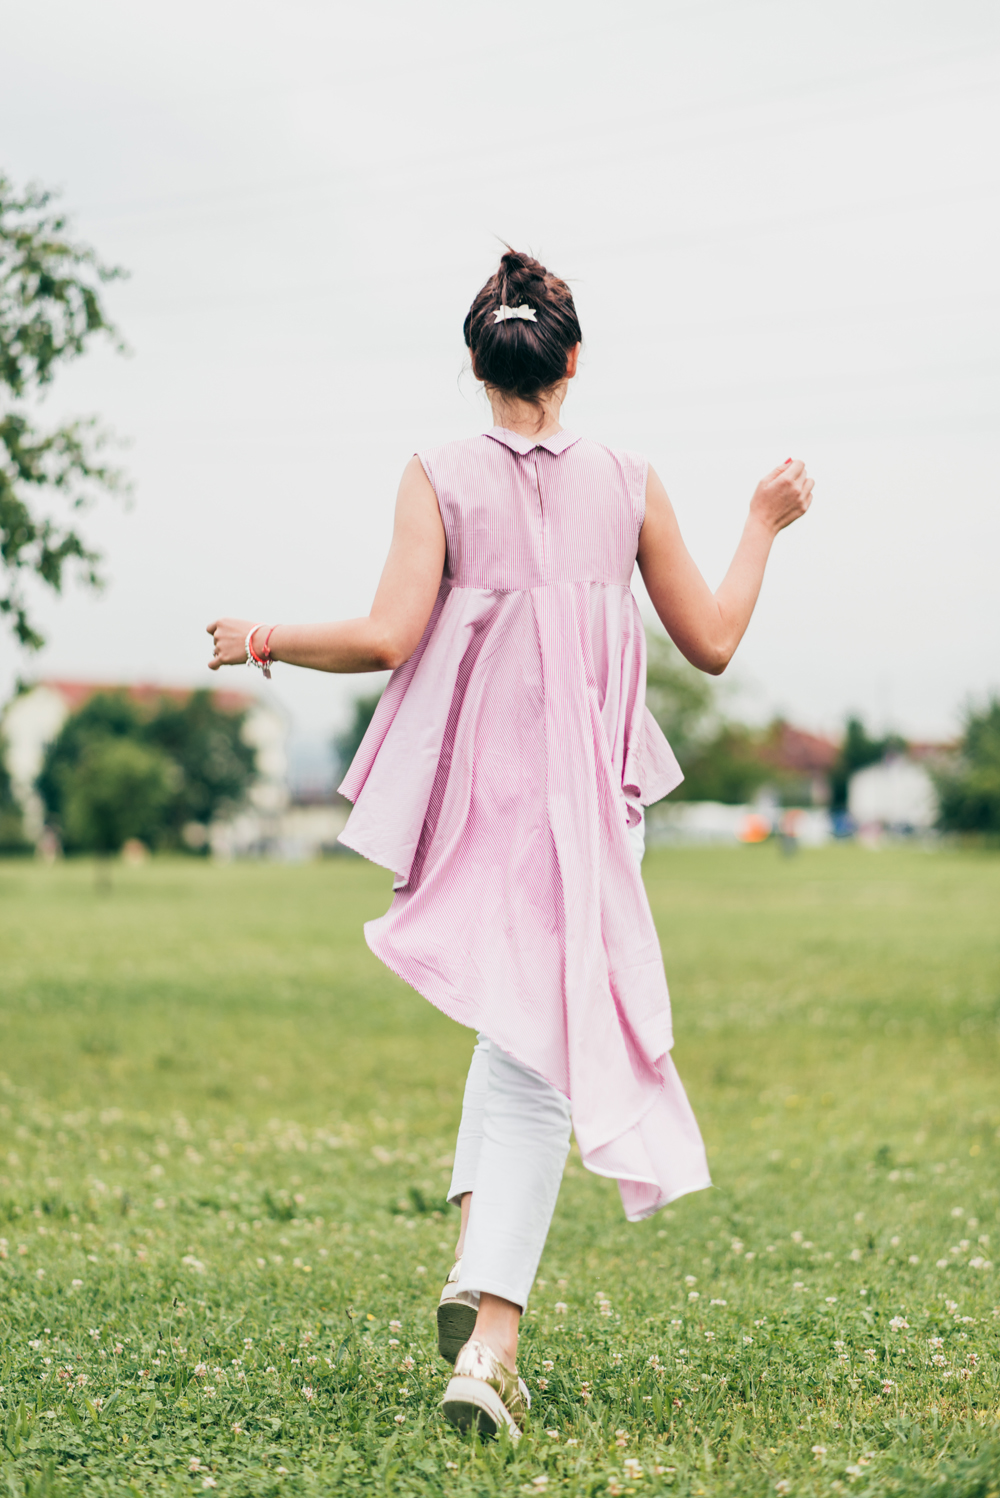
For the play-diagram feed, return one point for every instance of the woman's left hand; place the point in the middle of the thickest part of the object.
(230, 637)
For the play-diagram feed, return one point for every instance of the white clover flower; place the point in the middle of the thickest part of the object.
(899, 1324)
(561, 1308)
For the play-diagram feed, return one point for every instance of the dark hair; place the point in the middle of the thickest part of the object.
(517, 356)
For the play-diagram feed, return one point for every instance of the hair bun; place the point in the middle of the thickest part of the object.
(519, 357)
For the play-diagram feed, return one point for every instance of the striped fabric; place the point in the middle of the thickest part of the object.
(498, 778)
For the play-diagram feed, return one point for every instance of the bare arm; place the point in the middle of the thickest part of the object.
(707, 627)
(387, 636)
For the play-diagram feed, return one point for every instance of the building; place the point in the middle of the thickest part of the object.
(803, 762)
(898, 794)
(34, 718)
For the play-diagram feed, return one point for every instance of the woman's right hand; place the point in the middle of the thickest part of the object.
(783, 496)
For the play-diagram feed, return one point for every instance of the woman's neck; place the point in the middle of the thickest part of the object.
(528, 418)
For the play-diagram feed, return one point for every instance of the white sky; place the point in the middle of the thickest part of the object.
(780, 219)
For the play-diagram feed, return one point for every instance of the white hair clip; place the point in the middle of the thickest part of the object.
(502, 313)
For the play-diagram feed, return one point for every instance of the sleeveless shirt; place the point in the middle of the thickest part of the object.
(498, 777)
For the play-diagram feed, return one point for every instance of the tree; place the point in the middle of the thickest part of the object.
(857, 751)
(216, 763)
(969, 791)
(728, 766)
(347, 744)
(119, 790)
(680, 697)
(50, 310)
(212, 767)
(721, 760)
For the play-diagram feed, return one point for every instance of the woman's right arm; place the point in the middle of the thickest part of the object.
(391, 632)
(707, 627)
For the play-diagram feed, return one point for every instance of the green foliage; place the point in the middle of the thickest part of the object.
(680, 698)
(119, 789)
(970, 791)
(210, 765)
(50, 309)
(347, 744)
(206, 744)
(222, 1128)
(727, 767)
(721, 760)
(857, 751)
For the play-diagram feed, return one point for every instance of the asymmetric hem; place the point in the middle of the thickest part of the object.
(497, 781)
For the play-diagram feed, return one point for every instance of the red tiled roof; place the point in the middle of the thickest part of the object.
(794, 749)
(76, 693)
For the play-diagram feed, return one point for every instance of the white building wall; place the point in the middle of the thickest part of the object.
(30, 723)
(896, 793)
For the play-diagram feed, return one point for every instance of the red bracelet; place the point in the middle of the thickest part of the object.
(262, 661)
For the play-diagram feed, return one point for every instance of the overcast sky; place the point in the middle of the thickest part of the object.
(780, 220)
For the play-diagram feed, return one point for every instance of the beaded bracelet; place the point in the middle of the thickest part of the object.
(262, 662)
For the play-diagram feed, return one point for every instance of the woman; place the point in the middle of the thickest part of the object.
(503, 781)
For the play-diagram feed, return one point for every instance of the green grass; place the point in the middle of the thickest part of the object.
(224, 1141)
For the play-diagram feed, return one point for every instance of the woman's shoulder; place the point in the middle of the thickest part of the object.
(621, 463)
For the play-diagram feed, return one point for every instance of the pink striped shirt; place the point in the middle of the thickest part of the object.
(497, 781)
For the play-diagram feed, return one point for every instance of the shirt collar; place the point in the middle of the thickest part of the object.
(556, 444)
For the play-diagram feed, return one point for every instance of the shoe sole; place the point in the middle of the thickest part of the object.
(456, 1324)
(470, 1402)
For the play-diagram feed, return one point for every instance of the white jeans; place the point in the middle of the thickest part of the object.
(511, 1149)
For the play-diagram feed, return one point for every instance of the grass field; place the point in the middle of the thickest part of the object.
(224, 1140)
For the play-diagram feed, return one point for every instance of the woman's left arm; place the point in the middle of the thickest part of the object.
(389, 634)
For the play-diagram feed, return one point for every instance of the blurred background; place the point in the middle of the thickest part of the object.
(780, 222)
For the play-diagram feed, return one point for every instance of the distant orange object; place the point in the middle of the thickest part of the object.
(754, 829)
